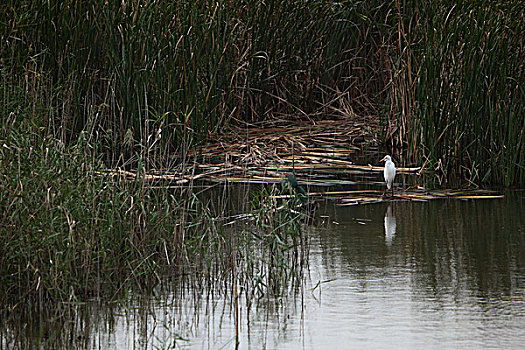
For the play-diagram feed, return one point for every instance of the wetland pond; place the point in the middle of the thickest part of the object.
(405, 275)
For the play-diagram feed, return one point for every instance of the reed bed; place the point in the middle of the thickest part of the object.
(164, 93)
(152, 78)
(70, 233)
(147, 80)
(136, 86)
(458, 89)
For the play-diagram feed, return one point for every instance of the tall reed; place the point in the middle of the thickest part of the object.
(153, 78)
(459, 89)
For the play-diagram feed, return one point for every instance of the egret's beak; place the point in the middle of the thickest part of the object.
(382, 160)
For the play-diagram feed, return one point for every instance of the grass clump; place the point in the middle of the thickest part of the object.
(69, 232)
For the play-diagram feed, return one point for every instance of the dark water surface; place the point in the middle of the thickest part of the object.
(405, 275)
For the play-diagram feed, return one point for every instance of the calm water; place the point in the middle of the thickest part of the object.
(439, 274)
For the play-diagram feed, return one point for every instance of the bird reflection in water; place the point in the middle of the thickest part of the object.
(390, 225)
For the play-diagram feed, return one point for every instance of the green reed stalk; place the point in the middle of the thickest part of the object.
(155, 77)
(464, 110)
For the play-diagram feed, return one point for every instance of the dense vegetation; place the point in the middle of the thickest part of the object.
(128, 73)
(150, 78)
(93, 84)
(460, 89)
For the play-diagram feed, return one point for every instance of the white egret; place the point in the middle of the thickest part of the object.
(390, 173)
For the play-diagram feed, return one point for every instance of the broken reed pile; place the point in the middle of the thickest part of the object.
(356, 197)
(319, 151)
(323, 153)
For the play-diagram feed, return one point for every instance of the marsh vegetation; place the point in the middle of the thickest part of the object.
(92, 90)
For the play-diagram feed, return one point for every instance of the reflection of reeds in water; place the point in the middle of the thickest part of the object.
(470, 244)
